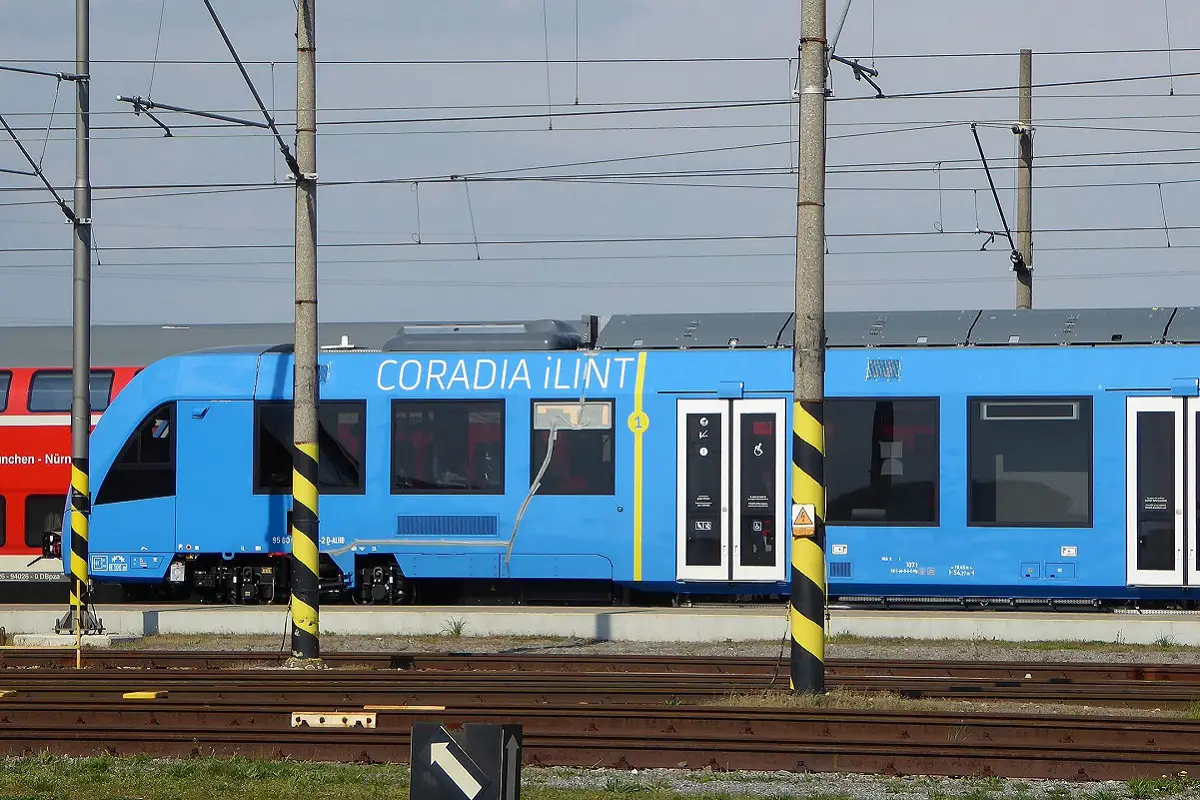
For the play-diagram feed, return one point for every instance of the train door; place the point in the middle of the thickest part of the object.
(731, 489)
(1161, 438)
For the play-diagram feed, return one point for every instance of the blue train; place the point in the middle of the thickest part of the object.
(1011, 457)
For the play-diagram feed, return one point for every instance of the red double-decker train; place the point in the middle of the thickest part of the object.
(35, 462)
(35, 414)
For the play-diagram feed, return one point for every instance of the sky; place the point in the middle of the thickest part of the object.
(590, 187)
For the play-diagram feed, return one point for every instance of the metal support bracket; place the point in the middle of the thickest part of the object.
(90, 624)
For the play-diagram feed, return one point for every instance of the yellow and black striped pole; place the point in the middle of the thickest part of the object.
(80, 510)
(305, 562)
(80, 502)
(808, 433)
(305, 587)
(808, 549)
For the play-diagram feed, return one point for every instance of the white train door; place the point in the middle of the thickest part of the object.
(1157, 526)
(731, 489)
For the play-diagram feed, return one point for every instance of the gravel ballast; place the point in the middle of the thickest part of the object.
(837, 647)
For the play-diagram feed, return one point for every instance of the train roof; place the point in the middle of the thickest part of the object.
(137, 345)
(849, 329)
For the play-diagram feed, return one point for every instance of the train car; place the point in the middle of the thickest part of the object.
(503, 461)
(35, 417)
(971, 457)
(35, 443)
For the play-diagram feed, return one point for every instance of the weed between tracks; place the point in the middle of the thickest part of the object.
(839, 698)
(457, 636)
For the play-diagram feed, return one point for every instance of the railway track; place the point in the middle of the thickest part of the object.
(619, 711)
(546, 687)
(642, 737)
(12, 658)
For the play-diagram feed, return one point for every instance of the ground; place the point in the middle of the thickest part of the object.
(54, 778)
(458, 639)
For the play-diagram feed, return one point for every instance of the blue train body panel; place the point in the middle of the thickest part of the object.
(978, 468)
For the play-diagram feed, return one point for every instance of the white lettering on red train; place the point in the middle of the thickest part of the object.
(22, 460)
(501, 374)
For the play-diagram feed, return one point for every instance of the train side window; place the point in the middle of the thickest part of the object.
(3, 520)
(50, 390)
(5, 380)
(1030, 462)
(881, 461)
(448, 446)
(43, 514)
(581, 462)
(145, 468)
(341, 446)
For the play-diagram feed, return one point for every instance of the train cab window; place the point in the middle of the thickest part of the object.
(581, 462)
(881, 461)
(447, 446)
(145, 468)
(50, 390)
(341, 447)
(3, 520)
(43, 514)
(5, 380)
(1030, 462)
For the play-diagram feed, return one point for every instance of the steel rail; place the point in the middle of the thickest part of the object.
(1024, 746)
(487, 686)
(12, 657)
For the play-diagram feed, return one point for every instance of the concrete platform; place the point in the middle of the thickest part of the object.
(54, 640)
(619, 624)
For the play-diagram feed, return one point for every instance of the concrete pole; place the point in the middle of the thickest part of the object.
(305, 588)
(81, 316)
(1025, 185)
(808, 440)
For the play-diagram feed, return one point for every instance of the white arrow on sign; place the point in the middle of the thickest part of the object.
(455, 770)
(510, 774)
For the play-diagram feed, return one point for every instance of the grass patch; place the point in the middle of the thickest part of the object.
(454, 629)
(456, 634)
(839, 698)
(105, 778)
(1162, 643)
(48, 777)
(1165, 786)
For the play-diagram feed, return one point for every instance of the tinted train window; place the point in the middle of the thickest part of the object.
(341, 447)
(881, 461)
(447, 446)
(582, 459)
(5, 379)
(146, 466)
(3, 520)
(51, 391)
(43, 514)
(1030, 462)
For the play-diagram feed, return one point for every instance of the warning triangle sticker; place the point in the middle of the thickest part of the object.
(802, 517)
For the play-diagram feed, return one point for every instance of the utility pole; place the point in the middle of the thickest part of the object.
(81, 317)
(1024, 129)
(305, 562)
(808, 440)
